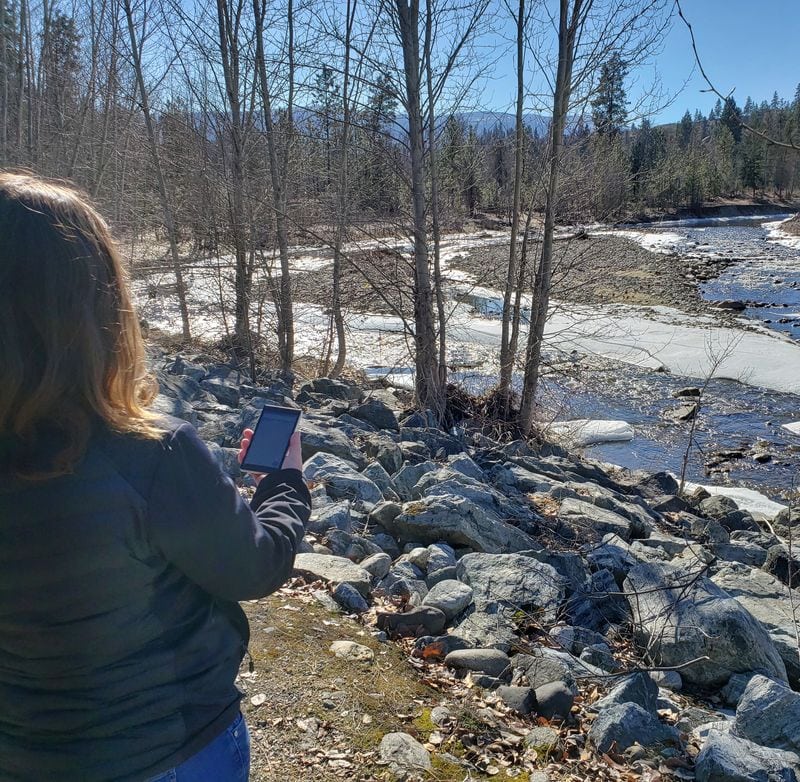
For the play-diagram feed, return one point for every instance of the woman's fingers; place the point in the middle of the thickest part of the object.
(294, 456)
(247, 436)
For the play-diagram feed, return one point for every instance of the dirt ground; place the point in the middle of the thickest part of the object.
(322, 718)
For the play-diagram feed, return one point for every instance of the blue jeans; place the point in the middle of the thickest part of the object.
(226, 759)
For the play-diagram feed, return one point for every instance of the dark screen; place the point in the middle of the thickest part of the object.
(268, 446)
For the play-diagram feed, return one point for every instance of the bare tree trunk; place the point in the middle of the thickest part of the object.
(434, 205)
(278, 167)
(507, 345)
(166, 207)
(341, 225)
(427, 382)
(229, 20)
(523, 270)
(4, 87)
(567, 29)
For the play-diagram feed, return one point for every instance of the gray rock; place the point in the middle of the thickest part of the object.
(424, 620)
(443, 574)
(384, 450)
(333, 516)
(732, 692)
(489, 661)
(637, 688)
(619, 727)
(418, 556)
(335, 570)
(513, 581)
(407, 478)
(782, 565)
(658, 484)
(668, 680)
(342, 480)
(450, 597)
(545, 666)
(598, 602)
(334, 389)
(612, 553)
(600, 656)
(440, 555)
(404, 755)
(743, 551)
(769, 714)
(459, 522)
(381, 479)
(386, 542)
(318, 439)
(717, 506)
(377, 413)
(594, 519)
(349, 598)
(487, 628)
(224, 393)
(519, 699)
(466, 466)
(554, 701)
(682, 616)
(377, 565)
(726, 758)
(384, 513)
(767, 599)
(544, 741)
(177, 408)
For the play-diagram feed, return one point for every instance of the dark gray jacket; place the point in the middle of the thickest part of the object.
(120, 634)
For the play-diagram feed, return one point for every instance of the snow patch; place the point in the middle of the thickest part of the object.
(793, 427)
(584, 431)
(747, 499)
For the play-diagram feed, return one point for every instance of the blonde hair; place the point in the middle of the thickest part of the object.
(71, 350)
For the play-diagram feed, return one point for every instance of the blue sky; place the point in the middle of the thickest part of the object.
(750, 45)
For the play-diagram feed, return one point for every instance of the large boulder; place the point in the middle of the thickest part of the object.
(377, 413)
(619, 727)
(459, 522)
(727, 758)
(322, 439)
(333, 389)
(342, 481)
(681, 616)
(597, 521)
(514, 582)
(769, 714)
(335, 570)
(770, 602)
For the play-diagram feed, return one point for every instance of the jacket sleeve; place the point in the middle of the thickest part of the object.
(199, 522)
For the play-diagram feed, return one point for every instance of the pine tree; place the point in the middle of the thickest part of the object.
(610, 105)
(731, 117)
(685, 129)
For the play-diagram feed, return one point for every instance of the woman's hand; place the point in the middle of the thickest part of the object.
(292, 461)
(247, 436)
(294, 456)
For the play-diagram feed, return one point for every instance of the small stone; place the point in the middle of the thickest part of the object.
(451, 597)
(404, 755)
(669, 680)
(440, 715)
(519, 699)
(492, 662)
(554, 700)
(416, 622)
(350, 599)
(350, 650)
(544, 741)
(377, 565)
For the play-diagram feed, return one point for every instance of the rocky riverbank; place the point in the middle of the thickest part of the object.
(607, 622)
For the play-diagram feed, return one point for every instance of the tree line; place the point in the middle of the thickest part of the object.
(238, 128)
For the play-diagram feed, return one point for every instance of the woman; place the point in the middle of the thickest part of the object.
(123, 547)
